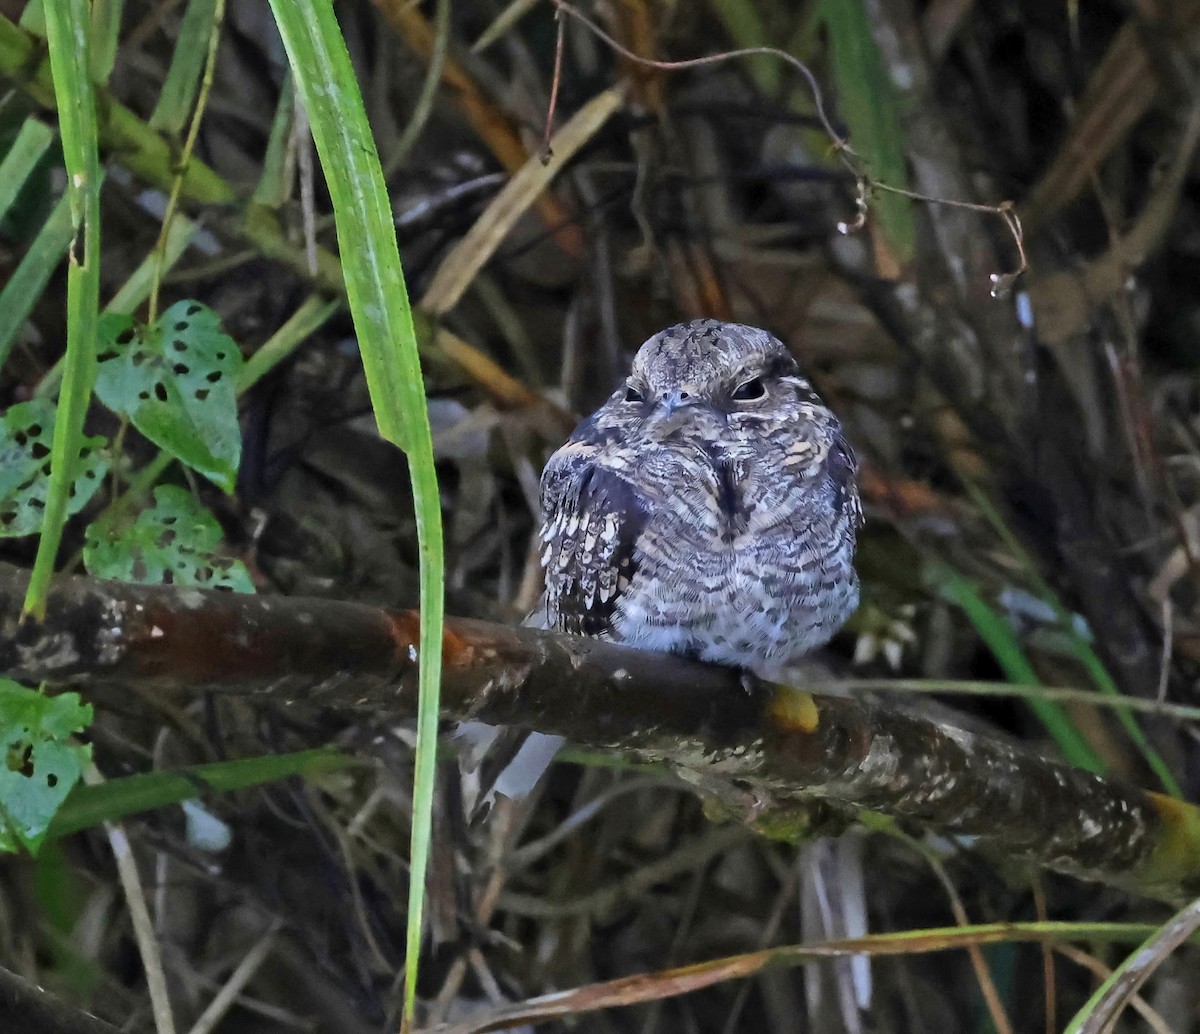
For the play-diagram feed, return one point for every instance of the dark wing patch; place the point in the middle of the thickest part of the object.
(842, 468)
(590, 533)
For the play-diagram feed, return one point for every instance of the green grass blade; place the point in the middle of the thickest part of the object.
(383, 320)
(1006, 648)
(868, 101)
(132, 293)
(116, 799)
(67, 25)
(26, 151)
(306, 320)
(33, 18)
(1076, 643)
(105, 35)
(187, 62)
(28, 280)
(1099, 1013)
(272, 188)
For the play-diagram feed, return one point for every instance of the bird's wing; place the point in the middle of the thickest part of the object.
(841, 467)
(592, 521)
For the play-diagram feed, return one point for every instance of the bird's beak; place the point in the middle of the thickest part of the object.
(677, 399)
(680, 408)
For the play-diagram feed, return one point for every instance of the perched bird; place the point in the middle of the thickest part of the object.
(708, 508)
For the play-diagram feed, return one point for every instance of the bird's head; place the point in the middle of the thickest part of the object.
(706, 369)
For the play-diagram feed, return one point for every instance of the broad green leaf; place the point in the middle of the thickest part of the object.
(26, 433)
(175, 542)
(41, 763)
(176, 382)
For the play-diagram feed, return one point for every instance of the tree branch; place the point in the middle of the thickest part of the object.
(772, 751)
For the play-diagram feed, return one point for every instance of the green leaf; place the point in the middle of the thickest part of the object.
(996, 632)
(869, 103)
(175, 381)
(119, 798)
(21, 159)
(187, 63)
(26, 434)
(173, 543)
(67, 28)
(383, 320)
(27, 283)
(42, 764)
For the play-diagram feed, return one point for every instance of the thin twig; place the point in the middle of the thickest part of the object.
(423, 107)
(983, 974)
(139, 915)
(854, 162)
(238, 979)
(547, 151)
(160, 246)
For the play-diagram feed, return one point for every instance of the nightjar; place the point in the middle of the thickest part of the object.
(708, 508)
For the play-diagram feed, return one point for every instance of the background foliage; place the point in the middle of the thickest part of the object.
(1029, 461)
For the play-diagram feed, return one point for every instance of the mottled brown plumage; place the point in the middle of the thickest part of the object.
(708, 508)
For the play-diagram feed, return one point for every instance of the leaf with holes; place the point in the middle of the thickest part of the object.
(174, 380)
(42, 763)
(26, 431)
(173, 543)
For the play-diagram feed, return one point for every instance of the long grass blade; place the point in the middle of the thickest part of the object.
(1006, 648)
(117, 799)
(28, 280)
(67, 26)
(24, 154)
(1078, 645)
(383, 320)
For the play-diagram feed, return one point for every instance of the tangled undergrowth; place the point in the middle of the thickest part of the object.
(1029, 467)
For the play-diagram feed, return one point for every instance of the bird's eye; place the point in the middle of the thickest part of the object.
(633, 395)
(751, 389)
